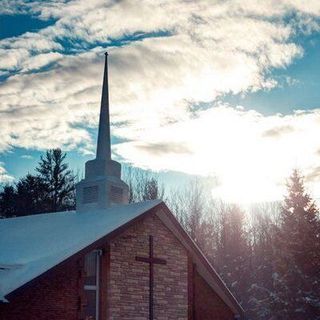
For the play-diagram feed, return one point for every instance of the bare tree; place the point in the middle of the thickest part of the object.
(143, 185)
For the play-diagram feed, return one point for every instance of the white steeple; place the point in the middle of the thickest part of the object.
(102, 186)
(104, 141)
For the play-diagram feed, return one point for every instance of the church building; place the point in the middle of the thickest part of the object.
(108, 260)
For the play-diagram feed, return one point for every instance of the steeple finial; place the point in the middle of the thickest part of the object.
(104, 140)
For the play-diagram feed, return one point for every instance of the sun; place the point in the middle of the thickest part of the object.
(247, 187)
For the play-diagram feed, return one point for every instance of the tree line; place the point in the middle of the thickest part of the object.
(50, 189)
(269, 256)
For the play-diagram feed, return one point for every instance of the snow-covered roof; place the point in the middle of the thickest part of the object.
(31, 245)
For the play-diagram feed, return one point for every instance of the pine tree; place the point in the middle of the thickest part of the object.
(58, 180)
(31, 196)
(297, 265)
(8, 206)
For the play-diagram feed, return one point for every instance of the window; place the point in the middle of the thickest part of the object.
(116, 194)
(90, 194)
(91, 284)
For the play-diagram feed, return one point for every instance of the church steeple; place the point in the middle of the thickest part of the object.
(102, 185)
(104, 141)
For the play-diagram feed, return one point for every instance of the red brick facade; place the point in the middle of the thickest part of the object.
(129, 287)
(53, 296)
(179, 291)
(207, 303)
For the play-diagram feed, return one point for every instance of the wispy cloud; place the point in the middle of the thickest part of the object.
(27, 156)
(4, 176)
(187, 53)
(232, 145)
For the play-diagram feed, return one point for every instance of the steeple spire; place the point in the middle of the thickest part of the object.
(104, 141)
(102, 186)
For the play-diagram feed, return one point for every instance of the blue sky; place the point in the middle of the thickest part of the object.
(14, 25)
(303, 93)
(211, 91)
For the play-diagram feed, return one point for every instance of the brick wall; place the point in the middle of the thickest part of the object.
(53, 296)
(124, 294)
(128, 290)
(208, 305)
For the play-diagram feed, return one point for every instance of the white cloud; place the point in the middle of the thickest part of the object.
(4, 176)
(211, 48)
(250, 154)
(27, 156)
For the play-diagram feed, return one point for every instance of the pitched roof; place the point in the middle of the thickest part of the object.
(32, 245)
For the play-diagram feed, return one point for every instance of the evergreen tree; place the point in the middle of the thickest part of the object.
(297, 269)
(58, 180)
(8, 206)
(31, 196)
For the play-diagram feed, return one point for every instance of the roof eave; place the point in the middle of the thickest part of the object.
(168, 219)
(231, 300)
(85, 250)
